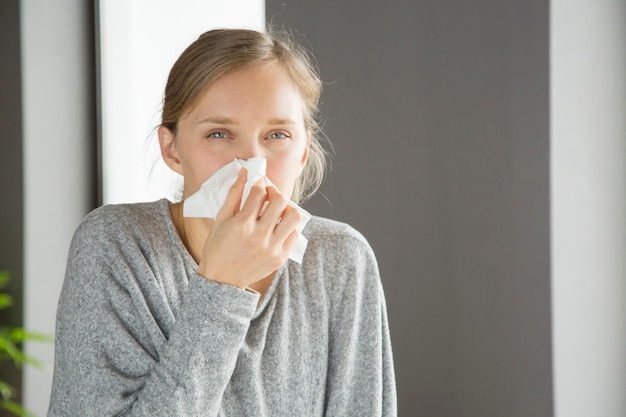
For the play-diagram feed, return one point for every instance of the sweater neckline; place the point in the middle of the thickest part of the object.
(192, 266)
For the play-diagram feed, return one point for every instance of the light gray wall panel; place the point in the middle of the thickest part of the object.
(588, 164)
(59, 141)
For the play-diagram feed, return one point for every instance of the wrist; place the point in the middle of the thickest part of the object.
(216, 277)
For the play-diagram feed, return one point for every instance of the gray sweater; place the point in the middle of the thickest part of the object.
(139, 333)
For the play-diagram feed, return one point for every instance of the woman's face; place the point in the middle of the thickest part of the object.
(252, 112)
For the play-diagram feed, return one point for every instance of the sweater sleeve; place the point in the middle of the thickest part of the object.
(106, 359)
(361, 377)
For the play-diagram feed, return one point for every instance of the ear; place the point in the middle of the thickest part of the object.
(305, 155)
(167, 142)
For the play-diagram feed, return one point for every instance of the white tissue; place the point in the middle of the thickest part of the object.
(208, 200)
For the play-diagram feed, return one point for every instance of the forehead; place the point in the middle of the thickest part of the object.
(266, 88)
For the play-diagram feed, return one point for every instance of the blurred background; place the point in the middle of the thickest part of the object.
(480, 148)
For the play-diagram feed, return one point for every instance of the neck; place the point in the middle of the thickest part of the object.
(193, 231)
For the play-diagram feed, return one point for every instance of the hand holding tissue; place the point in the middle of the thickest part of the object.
(208, 200)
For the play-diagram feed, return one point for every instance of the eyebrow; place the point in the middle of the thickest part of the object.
(217, 121)
(229, 121)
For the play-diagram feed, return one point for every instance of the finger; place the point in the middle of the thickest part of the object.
(289, 221)
(256, 199)
(290, 242)
(233, 199)
(276, 204)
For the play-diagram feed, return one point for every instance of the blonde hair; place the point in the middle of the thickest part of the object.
(219, 52)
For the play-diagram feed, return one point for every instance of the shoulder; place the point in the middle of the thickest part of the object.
(333, 234)
(123, 242)
(121, 223)
(336, 249)
(114, 217)
(342, 260)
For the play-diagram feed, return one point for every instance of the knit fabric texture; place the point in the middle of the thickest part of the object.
(139, 333)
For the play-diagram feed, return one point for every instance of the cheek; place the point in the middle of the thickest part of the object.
(284, 175)
(205, 162)
(199, 167)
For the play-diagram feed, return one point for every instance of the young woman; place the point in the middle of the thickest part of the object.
(167, 315)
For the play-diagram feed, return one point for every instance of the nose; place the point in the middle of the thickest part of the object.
(250, 149)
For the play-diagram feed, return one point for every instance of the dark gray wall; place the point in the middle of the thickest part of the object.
(11, 190)
(439, 111)
(11, 153)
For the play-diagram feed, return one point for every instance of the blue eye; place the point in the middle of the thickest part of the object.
(278, 135)
(217, 135)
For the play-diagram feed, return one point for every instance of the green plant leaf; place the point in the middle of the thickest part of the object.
(5, 276)
(15, 408)
(5, 301)
(6, 391)
(20, 358)
(20, 335)
(32, 361)
(10, 338)
(8, 347)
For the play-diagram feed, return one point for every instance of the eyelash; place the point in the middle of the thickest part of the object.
(284, 134)
(210, 135)
(224, 135)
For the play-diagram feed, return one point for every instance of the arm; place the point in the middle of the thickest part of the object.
(361, 379)
(123, 350)
(112, 358)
